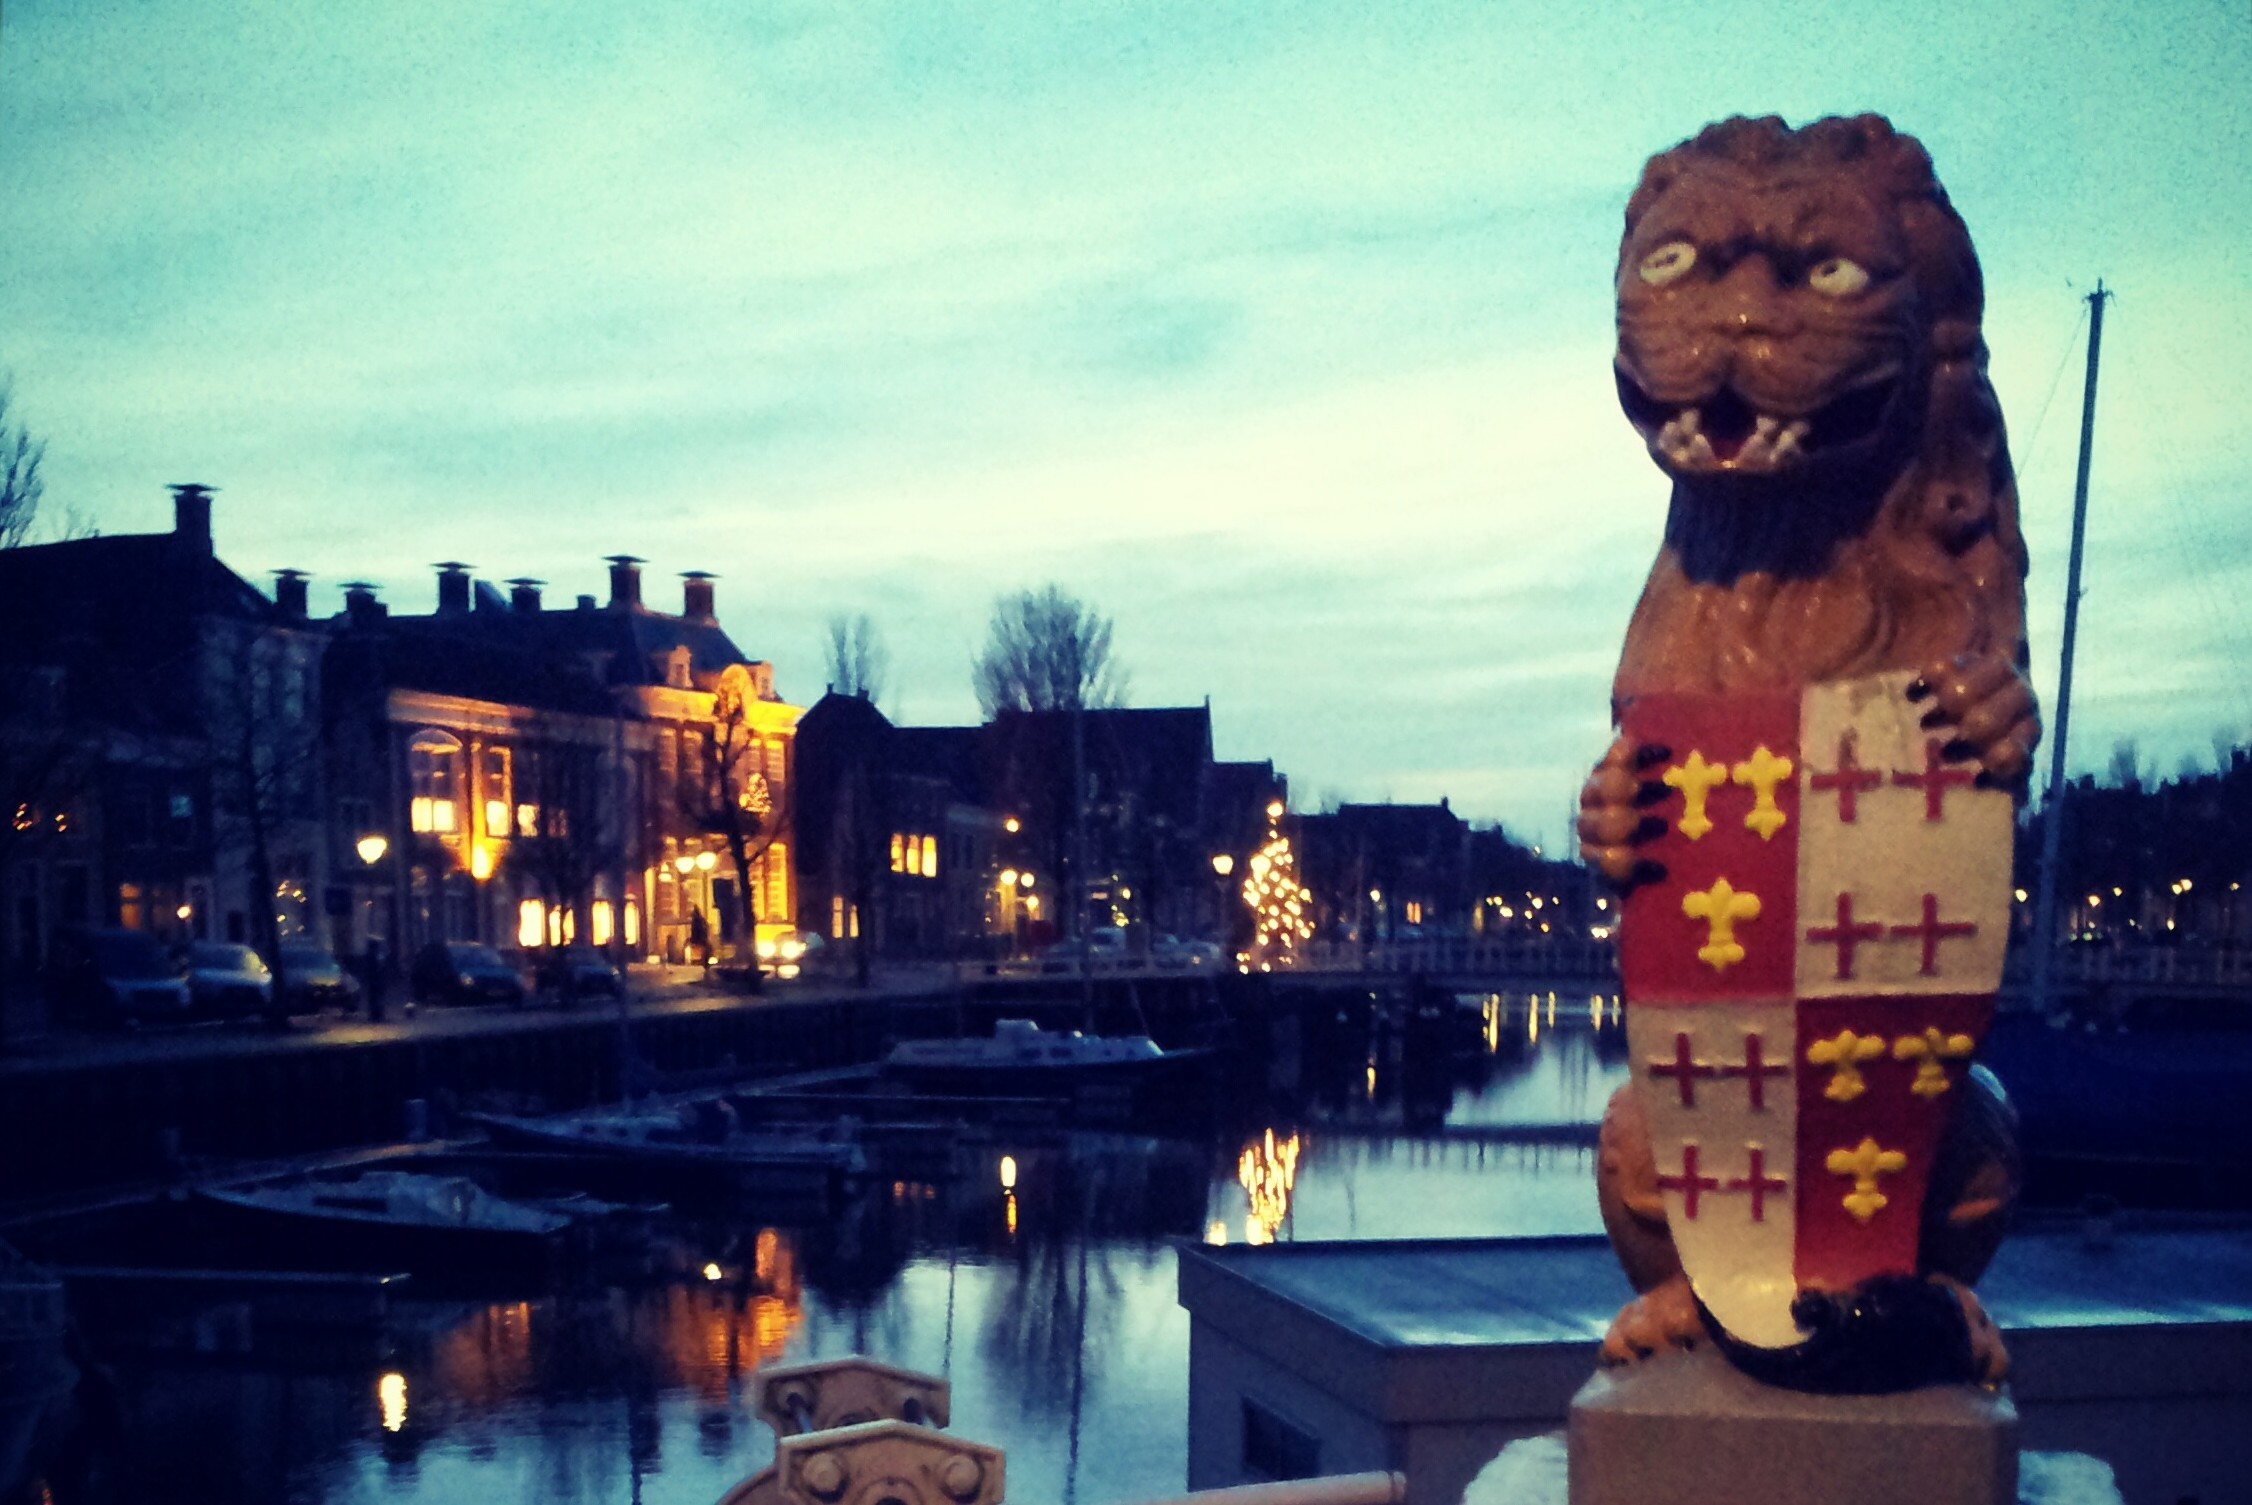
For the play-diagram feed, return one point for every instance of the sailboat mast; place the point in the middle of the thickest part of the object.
(2052, 821)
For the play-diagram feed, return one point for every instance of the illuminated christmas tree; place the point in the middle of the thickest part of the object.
(1282, 908)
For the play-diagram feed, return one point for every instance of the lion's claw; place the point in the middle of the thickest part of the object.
(1661, 1319)
(1985, 701)
(1611, 823)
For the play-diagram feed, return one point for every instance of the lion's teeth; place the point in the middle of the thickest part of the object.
(1690, 420)
(1700, 448)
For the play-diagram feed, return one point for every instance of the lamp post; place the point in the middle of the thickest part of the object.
(1222, 866)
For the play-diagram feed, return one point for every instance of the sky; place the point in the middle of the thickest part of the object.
(1278, 333)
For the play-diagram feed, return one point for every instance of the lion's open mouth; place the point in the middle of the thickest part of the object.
(1723, 432)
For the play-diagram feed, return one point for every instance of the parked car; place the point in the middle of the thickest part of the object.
(1172, 951)
(464, 972)
(573, 972)
(310, 979)
(227, 981)
(1105, 948)
(115, 977)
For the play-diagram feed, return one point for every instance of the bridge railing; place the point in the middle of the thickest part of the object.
(1466, 956)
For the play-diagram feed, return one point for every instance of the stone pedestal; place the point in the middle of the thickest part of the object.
(1688, 1429)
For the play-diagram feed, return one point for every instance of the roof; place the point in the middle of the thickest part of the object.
(568, 660)
(117, 614)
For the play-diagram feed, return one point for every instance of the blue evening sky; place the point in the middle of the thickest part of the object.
(1279, 332)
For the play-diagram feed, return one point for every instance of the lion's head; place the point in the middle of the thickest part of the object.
(1799, 348)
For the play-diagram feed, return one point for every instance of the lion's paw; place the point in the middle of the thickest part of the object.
(1660, 1320)
(1612, 823)
(1986, 703)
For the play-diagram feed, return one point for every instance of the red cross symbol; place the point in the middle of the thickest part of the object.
(1689, 1183)
(1684, 1070)
(1933, 931)
(1849, 780)
(1935, 780)
(1756, 1181)
(1845, 934)
(1754, 1070)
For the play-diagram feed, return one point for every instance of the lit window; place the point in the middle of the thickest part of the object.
(836, 917)
(527, 820)
(434, 770)
(1415, 911)
(930, 856)
(493, 779)
(898, 853)
(602, 922)
(531, 923)
(633, 924)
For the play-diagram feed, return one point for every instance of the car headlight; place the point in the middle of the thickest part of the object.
(766, 950)
(792, 948)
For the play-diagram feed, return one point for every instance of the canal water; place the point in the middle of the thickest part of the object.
(1038, 1277)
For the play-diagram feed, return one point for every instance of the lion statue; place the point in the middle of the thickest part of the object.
(1799, 348)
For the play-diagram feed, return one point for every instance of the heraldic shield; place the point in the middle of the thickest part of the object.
(1807, 982)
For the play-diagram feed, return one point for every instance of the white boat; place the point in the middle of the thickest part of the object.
(701, 1140)
(401, 1217)
(1019, 1056)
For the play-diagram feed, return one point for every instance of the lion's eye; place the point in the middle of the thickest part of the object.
(1837, 277)
(1668, 263)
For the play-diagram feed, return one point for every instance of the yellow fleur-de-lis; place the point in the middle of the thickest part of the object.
(1762, 772)
(1720, 907)
(1865, 1162)
(1843, 1053)
(1930, 1051)
(1696, 779)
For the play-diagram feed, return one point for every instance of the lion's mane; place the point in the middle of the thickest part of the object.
(1918, 558)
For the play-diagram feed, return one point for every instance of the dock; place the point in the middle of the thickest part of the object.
(2132, 1343)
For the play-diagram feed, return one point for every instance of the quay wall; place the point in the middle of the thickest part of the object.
(141, 1108)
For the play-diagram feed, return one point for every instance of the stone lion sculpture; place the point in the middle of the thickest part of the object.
(1799, 347)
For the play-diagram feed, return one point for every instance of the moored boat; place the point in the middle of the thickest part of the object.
(697, 1142)
(33, 1369)
(1020, 1057)
(394, 1219)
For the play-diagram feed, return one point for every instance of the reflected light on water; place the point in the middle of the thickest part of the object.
(1216, 1232)
(391, 1395)
(1268, 1169)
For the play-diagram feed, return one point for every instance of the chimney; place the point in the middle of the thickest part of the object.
(586, 603)
(453, 587)
(696, 595)
(361, 608)
(191, 515)
(625, 582)
(524, 595)
(289, 593)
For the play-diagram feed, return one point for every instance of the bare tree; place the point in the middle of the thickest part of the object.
(739, 793)
(574, 835)
(859, 663)
(1046, 651)
(48, 760)
(263, 729)
(21, 484)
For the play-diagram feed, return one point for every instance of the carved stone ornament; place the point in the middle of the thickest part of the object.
(1823, 720)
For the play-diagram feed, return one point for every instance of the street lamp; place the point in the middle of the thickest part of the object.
(1223, 864)
(371, 848)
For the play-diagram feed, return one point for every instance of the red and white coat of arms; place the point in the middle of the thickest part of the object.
(1807, 982)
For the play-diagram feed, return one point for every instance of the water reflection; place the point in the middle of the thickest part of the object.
(1267, 1170)
(1038, 1277)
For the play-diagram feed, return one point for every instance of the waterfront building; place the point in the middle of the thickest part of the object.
(159, 757)
(605, 774)
(954, 842)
